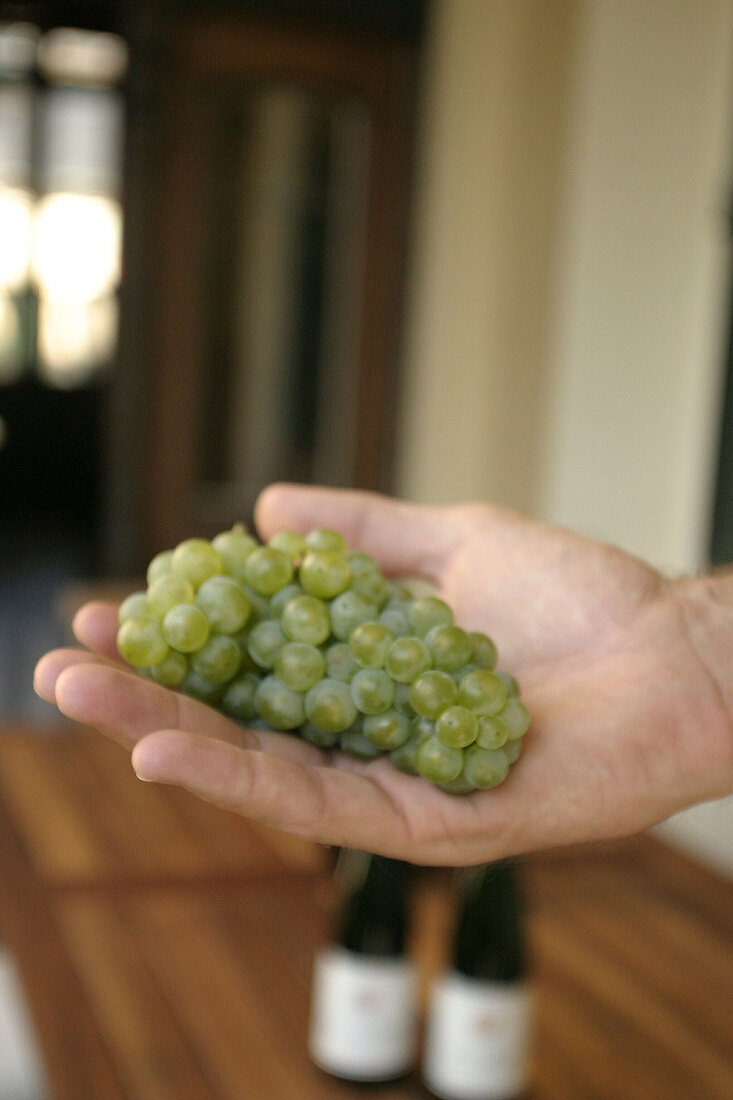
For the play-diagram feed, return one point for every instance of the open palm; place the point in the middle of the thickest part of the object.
(624, 722)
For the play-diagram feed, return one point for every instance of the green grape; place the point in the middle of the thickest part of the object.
(372, 586)
(268, 570)
(515, 717)
(330, 706)
(289, 543)
(407, 659)
(234, 547)
(485, 768)
(402, 701)
(318, 737)
(171, 671)
(369, 645)
(484, 654)
(197, 686)
(259, 605)
(372, 690)
(159, 566)
(457, 726)
(324, 573)
(399, 603)
(265, 641)
(195, 560)
(186, 628)
(239, 697)
(242, 640)
(167, 592)
(141, 643)
(277, 602)
(459, 785)
(224, 603)
(511, 685)
(405, 756)
(323, 538)
(437, 761)
(482, 691)
(299, 665)
(355, 743)
(427, 612)
(450, 646)
(492, 733)
(339, 654)
(398, 591)
(422, 728)
(459, 673)
(512, 750)
(218, 660)
(387, 731)
(280, 706)
(432, 692)
(340, 664)
(361, 563)
(395, 620)
(134, 606)
(349, 610)
(306, 619)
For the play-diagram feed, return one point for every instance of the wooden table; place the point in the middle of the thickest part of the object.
(166, 947)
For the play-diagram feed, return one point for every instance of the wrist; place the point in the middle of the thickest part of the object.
(707, 615)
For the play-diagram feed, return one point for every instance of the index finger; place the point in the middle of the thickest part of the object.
(404, 538)
(358, 806)
(95, 626)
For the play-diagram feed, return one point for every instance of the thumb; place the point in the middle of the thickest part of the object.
(404, 538)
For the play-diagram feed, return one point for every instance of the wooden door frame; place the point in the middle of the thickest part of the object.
(381, 71)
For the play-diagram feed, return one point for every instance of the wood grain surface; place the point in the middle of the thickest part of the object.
(167, 947)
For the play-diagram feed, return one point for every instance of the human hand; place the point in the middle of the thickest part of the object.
(626, 728)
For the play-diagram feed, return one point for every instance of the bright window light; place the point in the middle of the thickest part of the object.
(77, 246)
(76, 265)
(75, 338)
(16, 221)
(60, 239)
(75, 56)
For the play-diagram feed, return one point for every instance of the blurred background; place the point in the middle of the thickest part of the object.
(204, 217)
(448, 249)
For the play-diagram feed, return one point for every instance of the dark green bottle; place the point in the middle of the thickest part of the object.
(363, 1011)
(479, 1024)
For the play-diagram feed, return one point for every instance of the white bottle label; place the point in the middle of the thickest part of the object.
(363, 1018)
(477, 1040)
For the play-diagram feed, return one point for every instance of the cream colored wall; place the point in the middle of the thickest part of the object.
(568, 292)
(568, 280)
(640, 287)
(486, 221)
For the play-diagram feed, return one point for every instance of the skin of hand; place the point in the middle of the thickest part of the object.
(618, 665)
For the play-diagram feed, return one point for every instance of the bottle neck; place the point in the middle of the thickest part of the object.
(373, 919)
(489, 940)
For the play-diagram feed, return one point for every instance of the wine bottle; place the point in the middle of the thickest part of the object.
(479, 1020)
(363, 1011)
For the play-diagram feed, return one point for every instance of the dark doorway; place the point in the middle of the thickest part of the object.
(105, 452)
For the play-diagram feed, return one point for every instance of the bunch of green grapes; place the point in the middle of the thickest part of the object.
(304, 635)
